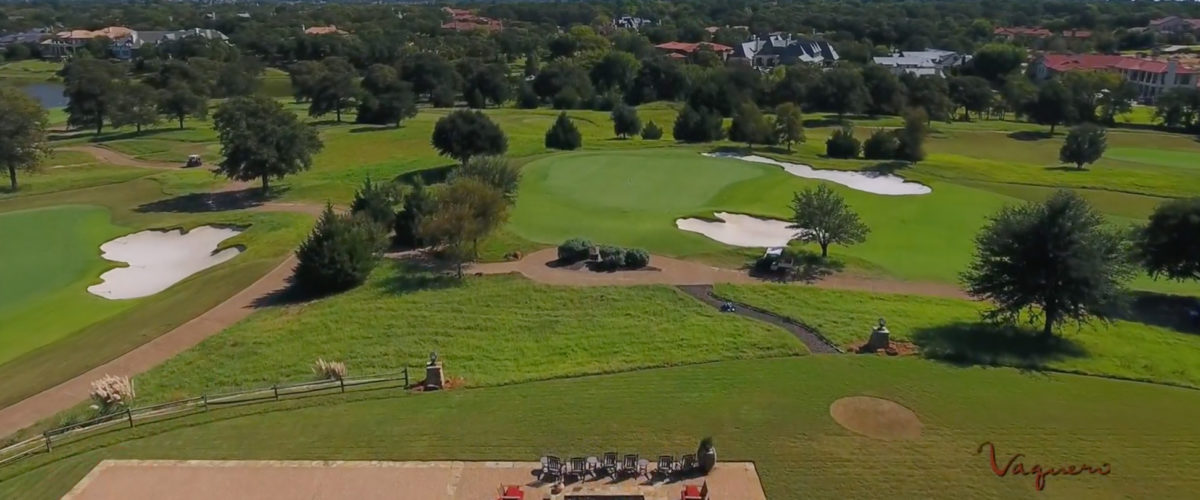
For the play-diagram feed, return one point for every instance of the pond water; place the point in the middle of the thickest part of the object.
(871, 182)
(49, 94)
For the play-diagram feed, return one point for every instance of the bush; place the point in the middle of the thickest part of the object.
(698, 125)
(475, 99)
(442, 97)
(611, 258)
(527, 98)
(574, 250)
(882, 145)
(651, 132)
(563, 134)
(636, 258)
(329, 370)
(375, 202)
(566, 99)
(605, 102)
(338, 255)
(842, 144)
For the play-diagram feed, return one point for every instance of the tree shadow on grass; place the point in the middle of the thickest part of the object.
(222, 201)
(1173, 312)
(429, 176)
(1067, 168)
(888, 167)
(418, 273)
(1029, 135)
(374, 128)
(980, 343)
(825, 122)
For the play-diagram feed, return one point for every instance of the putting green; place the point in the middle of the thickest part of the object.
(47, 257)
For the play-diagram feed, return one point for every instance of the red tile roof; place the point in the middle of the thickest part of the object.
(1069, 62)
(692, 47)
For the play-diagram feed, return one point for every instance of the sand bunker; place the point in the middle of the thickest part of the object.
(871, 182)
(159, 259)
(741, 230)
(876, 417)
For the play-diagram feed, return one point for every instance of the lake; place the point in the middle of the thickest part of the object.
(50, 94)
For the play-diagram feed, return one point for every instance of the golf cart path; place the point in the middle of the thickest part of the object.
(816, 344)
(538, 266)
(111, 157)
(67, 394)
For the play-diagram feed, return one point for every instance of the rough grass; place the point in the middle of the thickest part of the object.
(65, 330)
(773, 412)
(951, 329)
(492, 330)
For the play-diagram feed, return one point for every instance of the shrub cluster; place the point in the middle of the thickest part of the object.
(611, 257)
(574, 250)
(339, 253)
(842, 144)
(651, 132)
(882, 145)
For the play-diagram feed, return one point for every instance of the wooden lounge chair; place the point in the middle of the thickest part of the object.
(693, 492)
(609, 463)
(511, 492)
(578, 468)
(666, 465)
(553, 469)
(629, 465)
(688, 463)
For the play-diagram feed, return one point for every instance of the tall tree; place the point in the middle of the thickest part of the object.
(335, 88)
(885, 90)
(972, 93)
(1052, 106)
(22, 133)
(1052, 261)
(912, 136)
(616, 70)
(1169, 245)
(995, 61)
(180, 101)
(789, 124)
(1084, 145)
(698, 125)
(463, 134)
(491, 82)
(625, 120)
(338, 255)
(304, 76)
(90, 86)
(260, 140)
(841, 90)
(822, 216)
(466, 211)
(749, 125)
(932, 94)
(386, 98)
(136, 104)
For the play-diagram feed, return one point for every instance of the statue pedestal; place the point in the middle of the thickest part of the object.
(433, 376)
(880, 339)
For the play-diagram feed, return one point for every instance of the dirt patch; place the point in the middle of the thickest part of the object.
(893, 349)
(876, 417)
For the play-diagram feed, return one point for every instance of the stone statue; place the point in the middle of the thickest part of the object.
(433, 359)
(879, 337)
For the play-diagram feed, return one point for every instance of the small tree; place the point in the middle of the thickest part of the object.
(912, 136)
(1053, 261)
(338, 255)
(563, 134)
(651, 132)
(625, 121)
(789, 125)
(418, 202)
(495, 171)
(22, 133)
(882, 145)
(1084, 145)
(180, 101)
(463, 134)
(1169, 245)
(527, 98)
(334, 88)
(749, 125)
(376, 202)
(136, 104)
(466, 211)
(1052, 106)
(260, 140)
(842, 144)
(820, 215)
(698, 125)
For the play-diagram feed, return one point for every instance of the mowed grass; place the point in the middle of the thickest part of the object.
(47, 257)
(66, 330)
(492, 330)
(952, 329)
(772, 412)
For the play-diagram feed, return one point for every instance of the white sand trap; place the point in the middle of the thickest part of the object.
(871, 182)
(159, 259)
(741, 230)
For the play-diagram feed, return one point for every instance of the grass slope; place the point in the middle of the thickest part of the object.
(493, 330)
(951, 328)
(774, 412)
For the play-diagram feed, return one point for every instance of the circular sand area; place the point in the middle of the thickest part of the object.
(159, 259)
(871, 182)
(876, 417)
(741, 230)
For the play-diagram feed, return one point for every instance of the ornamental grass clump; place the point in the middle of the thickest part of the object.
(330, 370)
(111, 393)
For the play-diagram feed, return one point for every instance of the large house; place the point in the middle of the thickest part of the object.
(27, 37)
(1151, 77)
(922, 62)
(781, 49)
(630, 22)
(681, 50)
(332, 29)
(1174, 24)
(465, 20)
(123, 41)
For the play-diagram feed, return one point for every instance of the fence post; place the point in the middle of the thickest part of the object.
(342, 382)
(46, 436)
(129, 415)
(406, 376)
(205, 398)
(276, 389)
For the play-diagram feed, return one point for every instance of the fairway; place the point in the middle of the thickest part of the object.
(48, 256)
(773, 412)
(1168, 158)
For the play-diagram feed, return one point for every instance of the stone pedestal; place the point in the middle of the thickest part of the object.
(433, 376)
(880, 339)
